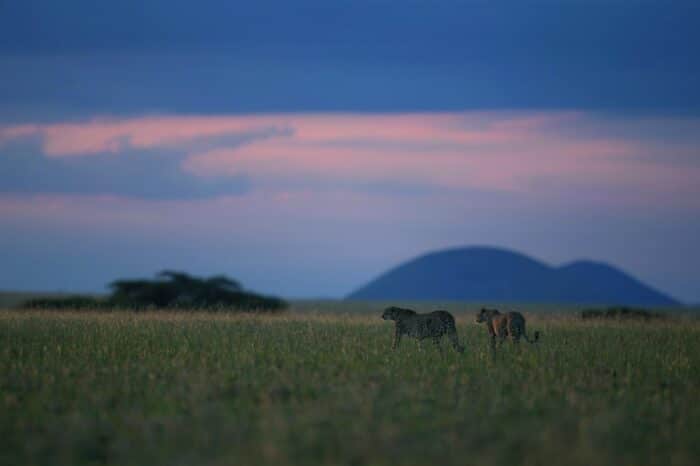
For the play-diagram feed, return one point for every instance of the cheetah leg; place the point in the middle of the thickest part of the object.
(455, 341)
(436, 341)
(514, 335)
(397, 339)
(492, 333)
(499, 332)
(502, 334)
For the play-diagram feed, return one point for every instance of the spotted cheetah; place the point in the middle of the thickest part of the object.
(510, 324)
(420, 326)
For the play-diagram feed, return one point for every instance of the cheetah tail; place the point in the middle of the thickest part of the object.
(537, 337)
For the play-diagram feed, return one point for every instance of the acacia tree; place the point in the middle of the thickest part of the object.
(178, 289)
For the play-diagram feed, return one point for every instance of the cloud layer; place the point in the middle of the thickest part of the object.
(532, 153)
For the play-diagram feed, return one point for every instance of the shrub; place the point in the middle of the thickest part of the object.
(621, 313)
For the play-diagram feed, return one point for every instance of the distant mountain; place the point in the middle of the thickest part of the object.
(496, 275)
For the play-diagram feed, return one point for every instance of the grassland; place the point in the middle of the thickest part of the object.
(324, 388)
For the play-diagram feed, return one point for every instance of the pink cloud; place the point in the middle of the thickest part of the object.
(115, 135)
(492, 150)
(491, 158)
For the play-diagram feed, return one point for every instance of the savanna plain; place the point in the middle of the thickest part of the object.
(319, 384)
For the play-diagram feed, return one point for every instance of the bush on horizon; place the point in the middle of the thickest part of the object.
(170, 290)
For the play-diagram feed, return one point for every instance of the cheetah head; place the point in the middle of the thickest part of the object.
(397, 313)
(389, 313)
(485, 314)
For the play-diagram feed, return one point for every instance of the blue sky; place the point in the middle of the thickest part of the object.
(304, 147)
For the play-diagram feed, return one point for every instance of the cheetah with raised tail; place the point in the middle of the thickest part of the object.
(510, 324)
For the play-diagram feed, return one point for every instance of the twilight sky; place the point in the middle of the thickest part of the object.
(305, 147)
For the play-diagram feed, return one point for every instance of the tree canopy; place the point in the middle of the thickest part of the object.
(170, 289)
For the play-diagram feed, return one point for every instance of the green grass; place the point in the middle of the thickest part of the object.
(313, 388)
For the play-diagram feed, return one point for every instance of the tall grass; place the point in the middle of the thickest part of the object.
(316, 388)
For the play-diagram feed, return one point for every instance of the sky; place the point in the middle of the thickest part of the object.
(305, 147)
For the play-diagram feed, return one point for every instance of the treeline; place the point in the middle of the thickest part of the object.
(621, 313)
(169, 290)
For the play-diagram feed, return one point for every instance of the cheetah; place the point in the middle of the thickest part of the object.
(421, 326)
(510, 324)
